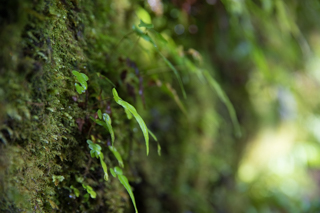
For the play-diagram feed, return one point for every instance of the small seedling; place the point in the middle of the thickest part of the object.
(106, 123)
(95, 151)
(82, 79)
(90, 191)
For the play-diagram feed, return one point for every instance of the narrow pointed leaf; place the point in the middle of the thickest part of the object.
(175, 72)
(223, 97)
(104, 167)
(152, 135)
(124, 181)
(106, 125)
(117, 155)
(155, 138)
(159, 149)
(107, 79)
(107, 119)
(135, 114)
(99, 114)
(113, 173)
(129, 115)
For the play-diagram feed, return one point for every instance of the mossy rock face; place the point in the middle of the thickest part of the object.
(44, 122)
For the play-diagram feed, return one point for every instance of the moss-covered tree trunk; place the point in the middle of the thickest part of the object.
(44, 122)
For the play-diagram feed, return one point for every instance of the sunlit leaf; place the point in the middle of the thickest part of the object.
(142, 24)
(117, 155)
(143, 35)
(134, 112)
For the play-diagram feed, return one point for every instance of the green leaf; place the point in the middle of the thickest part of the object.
(117, 170)
(155, 138)
(106, 125)
(107, 119)
(107, 79)
(175, 72)
(152, 135)
(92, 193)
(223, 97)
(99, 114)
(113, 173)
(79, 179)
(95, 149)
(85, 198)
(137, 30)
(57, 178)
(143, 35)
(161, 38)
(104, 167)
(124, 181)
(101, 123)
(117, 155)
(79, 88)
(159, 149)
(143, 24)
(134, 112)
(149, 39)
(75, 190)
(82, 78)
(129, 115)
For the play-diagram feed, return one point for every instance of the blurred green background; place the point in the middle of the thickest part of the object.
(264, 54)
